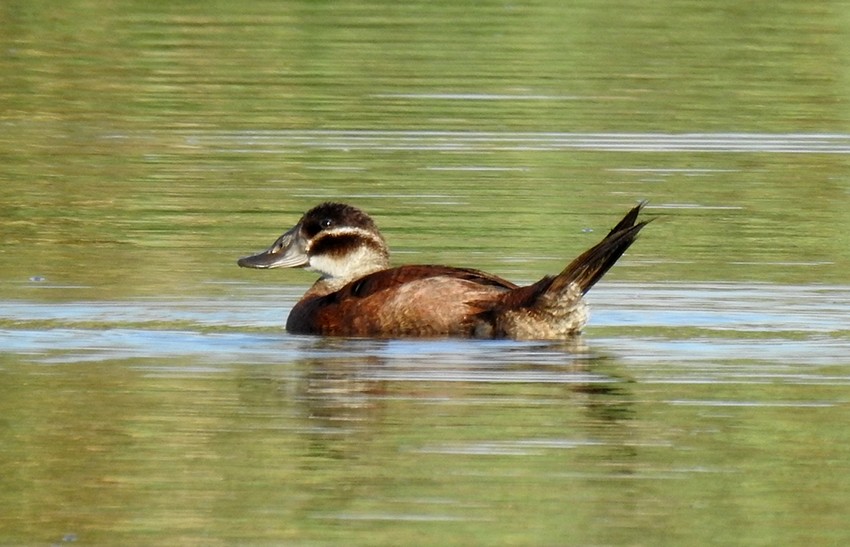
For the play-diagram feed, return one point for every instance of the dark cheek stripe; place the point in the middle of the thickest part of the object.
(339, 245)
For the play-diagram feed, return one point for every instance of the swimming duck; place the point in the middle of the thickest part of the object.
(359, 294)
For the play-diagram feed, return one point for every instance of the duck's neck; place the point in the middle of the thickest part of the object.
(337, 272)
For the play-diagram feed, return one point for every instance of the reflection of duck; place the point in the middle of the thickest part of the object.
(360, 295)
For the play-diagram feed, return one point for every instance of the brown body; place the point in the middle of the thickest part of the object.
(360, 295)
(404, 301)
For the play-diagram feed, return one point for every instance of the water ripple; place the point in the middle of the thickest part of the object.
(481, 141)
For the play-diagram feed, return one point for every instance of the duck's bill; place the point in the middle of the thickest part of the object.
(286, 252)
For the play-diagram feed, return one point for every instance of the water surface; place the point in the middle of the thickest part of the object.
(150, 395)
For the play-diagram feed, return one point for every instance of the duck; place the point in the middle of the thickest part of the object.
(358, 293)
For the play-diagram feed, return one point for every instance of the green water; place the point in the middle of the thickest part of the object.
(148, 394)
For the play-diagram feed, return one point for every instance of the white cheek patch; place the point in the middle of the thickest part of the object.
(360, 260)
(325, 265)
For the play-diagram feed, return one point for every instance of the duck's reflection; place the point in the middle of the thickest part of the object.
(372, 422)
(347, 388)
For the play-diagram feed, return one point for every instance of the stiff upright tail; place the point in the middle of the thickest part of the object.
(591, 265)
(553, 308)
(583, 272)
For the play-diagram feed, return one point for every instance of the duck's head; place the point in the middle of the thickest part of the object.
(337, 240)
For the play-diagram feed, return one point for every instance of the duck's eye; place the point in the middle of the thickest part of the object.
(326, 223)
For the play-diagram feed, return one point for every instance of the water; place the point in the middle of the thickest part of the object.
(150, 395)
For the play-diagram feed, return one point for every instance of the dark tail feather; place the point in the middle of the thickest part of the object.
(591, 265)
(629, 220)
(587, 268)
